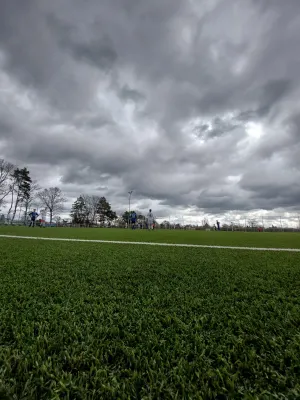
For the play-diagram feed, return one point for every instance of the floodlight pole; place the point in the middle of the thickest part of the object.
(280, 223)
(129, 199)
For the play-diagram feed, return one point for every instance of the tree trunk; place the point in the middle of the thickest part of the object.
(11, 203)
(51, 216)
(15, 209)
(20, 210)
(25, 213)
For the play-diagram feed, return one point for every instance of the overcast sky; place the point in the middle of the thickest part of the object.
(193, 104)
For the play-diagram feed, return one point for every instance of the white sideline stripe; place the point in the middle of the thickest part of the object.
(201, 246)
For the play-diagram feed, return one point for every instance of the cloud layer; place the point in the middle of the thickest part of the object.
(193, 104)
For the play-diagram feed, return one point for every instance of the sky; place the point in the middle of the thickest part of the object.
(192, 104)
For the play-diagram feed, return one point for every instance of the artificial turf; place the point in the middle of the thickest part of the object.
(103, 321)
(223, 238)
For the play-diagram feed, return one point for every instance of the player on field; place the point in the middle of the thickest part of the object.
(150, 219)
(33, 216)
(43, 218)
(133, 219)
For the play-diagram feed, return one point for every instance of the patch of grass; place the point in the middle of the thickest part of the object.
(90, 321)
(249, 239)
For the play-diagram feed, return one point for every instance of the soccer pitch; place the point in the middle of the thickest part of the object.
(114, 321)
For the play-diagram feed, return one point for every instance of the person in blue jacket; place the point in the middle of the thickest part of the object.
(33, 216)
(133, 219)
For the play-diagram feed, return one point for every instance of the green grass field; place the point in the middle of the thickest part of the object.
(106, 321)
(251, 239)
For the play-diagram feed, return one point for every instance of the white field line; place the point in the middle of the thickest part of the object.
(201, 246)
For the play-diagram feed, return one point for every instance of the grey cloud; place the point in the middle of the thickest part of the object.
(5, 129)
(127, 93)
(271, 189)
(120, 91)
(71, 151)
(219, 127)
(93, 121)
(269, 96)
(82, 175)
(15, 32)
(284, 143)
(275, 90)
(33, 56)
(253, 115)
(99, 53)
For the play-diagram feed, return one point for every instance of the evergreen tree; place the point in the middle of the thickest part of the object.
(111, 215)
(126, 216)
(79, 212)
(104, 211)
(21, 187)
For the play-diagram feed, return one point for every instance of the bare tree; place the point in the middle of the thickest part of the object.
(12, 192)
(6, 171)
(53, 200)
(91, 203)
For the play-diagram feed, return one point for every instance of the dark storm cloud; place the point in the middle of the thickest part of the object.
(34, 57)
(99, 51)
(191, 104)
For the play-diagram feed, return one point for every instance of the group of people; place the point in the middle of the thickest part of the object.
(133, 217)
(149, 220)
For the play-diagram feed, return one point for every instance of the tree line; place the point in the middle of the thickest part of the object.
(93, 210)
(18, 192)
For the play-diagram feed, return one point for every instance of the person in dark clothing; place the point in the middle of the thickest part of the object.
(218, 224)
(33, 216)
(133, 220)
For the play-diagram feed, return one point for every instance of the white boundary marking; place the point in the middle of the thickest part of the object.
(201, 246)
